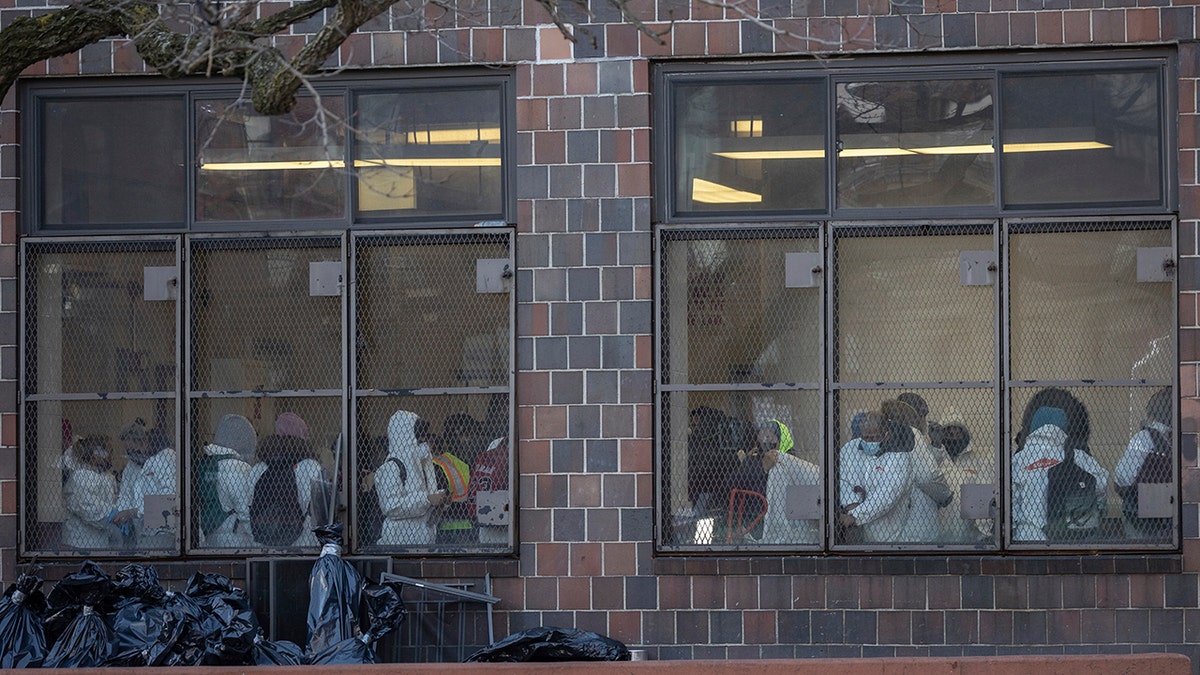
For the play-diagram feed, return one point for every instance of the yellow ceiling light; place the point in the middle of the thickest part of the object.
(772, 154)
(707, 192)
(971, 149)
(1055, 147)
(429, 161)
(452, 136)
(273, 166)
(746, 128)
(361, 163)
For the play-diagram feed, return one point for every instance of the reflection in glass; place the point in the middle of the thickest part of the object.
(1082, 138)
(429, 153)
(758, 146)
(112, 161)
(255, 167)
(915, 143)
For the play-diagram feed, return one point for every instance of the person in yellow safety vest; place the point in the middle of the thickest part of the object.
(454, 476)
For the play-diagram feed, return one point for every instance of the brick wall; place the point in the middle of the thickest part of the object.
(584, 347)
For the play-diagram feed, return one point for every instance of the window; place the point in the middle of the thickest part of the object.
(391, 152)
(221, 393)
(852, 384)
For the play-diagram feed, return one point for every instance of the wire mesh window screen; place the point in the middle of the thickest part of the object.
(100, 390)
(1120, 488)
(916, 467)
(264, 471)
(914, 304)
(266, 314)
(732, 314)
(411, 288)
(1077, 309)
(433, 373)
(433, 473)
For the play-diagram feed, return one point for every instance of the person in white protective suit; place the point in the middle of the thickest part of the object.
(784, 470)
(233, 443)
(931, 493)
(874, 484)
(1149, 458)
(150, 472)
(1054, 421)
(964, 466)
(311, 478)
(89, 492)
(407, 486)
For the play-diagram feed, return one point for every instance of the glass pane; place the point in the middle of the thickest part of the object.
(94, 321)
(1078, 311)
(750, 147)
(430, 153)
(1082, 138)
(260, 321)
(263, 471)
(953, 436)
(454, 448)
(730, 478)
(112, 161)
(103, 477)
(915, 143)
(282, 167)
(907, 312)
(423, 319)
(729, 314)
(1097, 498)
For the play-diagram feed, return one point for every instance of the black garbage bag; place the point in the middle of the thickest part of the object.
(179, 629)
(135, 582)
(22, 639)
(233, 643)
(384, 611)
(86, 643)
(207, 589)
(334, 594)
(547, 643)
(85, 640)
(276, 653)
(139, 617)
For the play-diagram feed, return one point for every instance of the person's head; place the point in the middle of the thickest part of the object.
(93, 451)
(1059, 408)
(899, 411)
(135, 440)
(291, 424)
(277, 450)
(918, 404)
(955, 439)
(462, 435)
(236, 433)
(773, 438)
(874, 431)
(1158, 408)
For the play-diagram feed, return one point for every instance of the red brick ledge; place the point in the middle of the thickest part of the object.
(1123, 664)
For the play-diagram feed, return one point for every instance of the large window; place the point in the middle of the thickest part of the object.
(411, 151)
(276, 363)
(883, 382)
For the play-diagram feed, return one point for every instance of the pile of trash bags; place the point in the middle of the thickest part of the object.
(89, 619)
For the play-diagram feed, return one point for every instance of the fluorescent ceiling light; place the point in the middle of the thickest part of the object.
(772, 154)
(977, 149)
(361, 163)
(1055, 147)
(707, 192)
(444, 136)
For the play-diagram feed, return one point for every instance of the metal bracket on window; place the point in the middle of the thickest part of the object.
(160, 283)
(802, 270)
(977, 268)
(1156, 500)
(324, 278)
(492, 275)
(1155, 263)
(802, 502)
(975, 500)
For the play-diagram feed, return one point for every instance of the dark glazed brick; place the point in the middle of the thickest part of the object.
(909, 592)
(1045, 592)
(1133, 625)
(726, 627)
(583, 351)
(568, 524)
(566, 318)
(636, 524)
(775, 592)
(602, 386)
(891, 31)
(1181, 590)
(602, 457)
(1166, 625)
(1011, 593)
(928, 627)
(861, 627)
(583, 421)
(962, 628)
(930, 566)
(828, 627)
(1062, 626)
(756, 39)
(566, 455)
(1099, 626)
(617, 351)
(600, 249)
(583, 215)
(842, 592)
(658, 627)
(894, 627)
(977, 592)
(959, 30)
(583, 283)
(550, 353)
(793, 626)
(944, 592)
(1029, 628)
(589, 43)
(996, 627)
(641, 592)
(692, 627)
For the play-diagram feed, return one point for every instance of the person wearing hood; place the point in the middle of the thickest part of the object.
(312, 480)
(89, 492)
(150, 471)
(1053, 423)
(784, 470)
(875, 481)
(932, 493)
(226, 485)
(407, 486)
(1148, 458)
(964, 466)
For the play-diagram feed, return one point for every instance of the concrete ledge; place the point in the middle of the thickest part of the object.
(1125, 664)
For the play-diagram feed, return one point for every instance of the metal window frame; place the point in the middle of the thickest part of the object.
(188, 395)
(741, 232)
(1082, 224)
(34, 92)
(356, 393)
(26, 243)
(974, 66)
